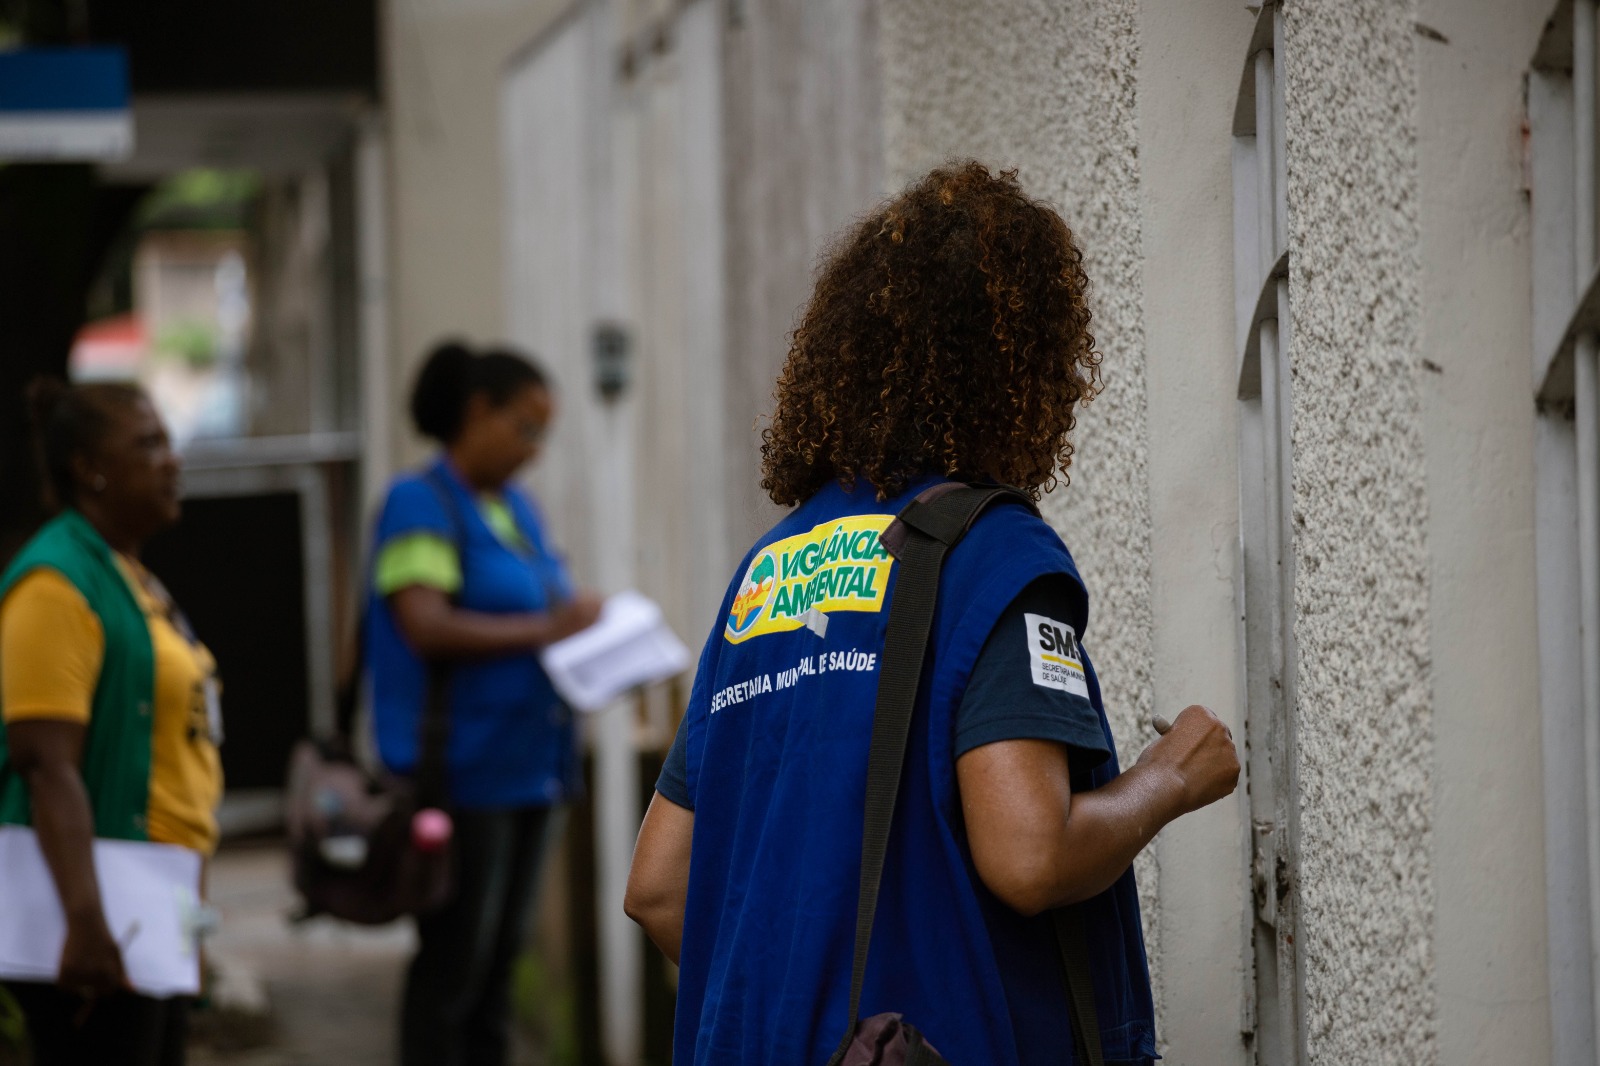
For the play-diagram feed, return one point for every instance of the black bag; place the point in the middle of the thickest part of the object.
(921, 534)
(351, 835)
(357, 847)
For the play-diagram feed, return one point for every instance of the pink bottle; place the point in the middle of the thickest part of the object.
(431, 829)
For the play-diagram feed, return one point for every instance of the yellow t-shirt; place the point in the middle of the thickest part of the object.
(51, 647)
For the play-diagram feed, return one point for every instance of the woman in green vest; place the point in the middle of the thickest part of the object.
(110, 710)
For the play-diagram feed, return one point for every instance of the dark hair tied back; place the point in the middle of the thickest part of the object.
(44, 396)
(439, 398)
(67, 421)
(453, 373)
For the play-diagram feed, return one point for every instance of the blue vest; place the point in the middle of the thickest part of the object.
(780, 723)
(512, 739)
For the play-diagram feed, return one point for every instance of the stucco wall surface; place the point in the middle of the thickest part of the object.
(1363, 710)
(1048, 87)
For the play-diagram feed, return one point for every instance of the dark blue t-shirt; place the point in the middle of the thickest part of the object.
(1002, 700)
(772, 760)
(512, 740)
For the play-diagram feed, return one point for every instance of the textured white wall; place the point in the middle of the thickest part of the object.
(1048, 87)
(1488, 850)
(1364, 717)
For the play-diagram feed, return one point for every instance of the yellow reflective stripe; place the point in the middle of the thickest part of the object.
(426, 559)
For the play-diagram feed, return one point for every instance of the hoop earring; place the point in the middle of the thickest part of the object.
(99, 483)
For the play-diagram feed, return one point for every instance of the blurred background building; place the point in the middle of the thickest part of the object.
(1342, 485)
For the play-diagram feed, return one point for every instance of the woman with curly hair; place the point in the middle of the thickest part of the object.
(947, 340)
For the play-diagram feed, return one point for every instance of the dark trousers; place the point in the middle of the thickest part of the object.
(123, 1030)
(457, 1009)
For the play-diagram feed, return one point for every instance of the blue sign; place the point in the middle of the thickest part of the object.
(65, 104)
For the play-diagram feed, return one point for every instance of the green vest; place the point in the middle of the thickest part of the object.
(116, 749)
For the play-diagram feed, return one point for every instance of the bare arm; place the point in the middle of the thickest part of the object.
(658, 883)
(1036, 845)
(437, 629)
(46, 754)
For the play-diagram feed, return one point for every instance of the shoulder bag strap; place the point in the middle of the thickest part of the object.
(432, 788)
(920, 536)
(347, 696)
(1074, 949)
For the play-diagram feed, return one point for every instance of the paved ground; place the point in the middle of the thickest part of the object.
(332, 988)
(325, 993)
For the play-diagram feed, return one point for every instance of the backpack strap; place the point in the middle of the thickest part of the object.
(919, 538)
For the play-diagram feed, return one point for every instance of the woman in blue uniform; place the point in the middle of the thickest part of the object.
(947, 338)
(464, 579)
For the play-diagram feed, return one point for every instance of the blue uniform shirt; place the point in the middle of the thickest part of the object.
(512, 740)
(773, 762)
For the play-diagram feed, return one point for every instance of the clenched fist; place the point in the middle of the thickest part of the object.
(1198, 749)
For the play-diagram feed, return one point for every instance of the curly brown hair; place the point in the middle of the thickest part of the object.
(948, 333)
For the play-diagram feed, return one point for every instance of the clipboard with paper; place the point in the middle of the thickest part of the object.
(629, 646)
(151, 896)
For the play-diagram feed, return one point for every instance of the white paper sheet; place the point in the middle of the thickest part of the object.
(631, 645)
(151, 894)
